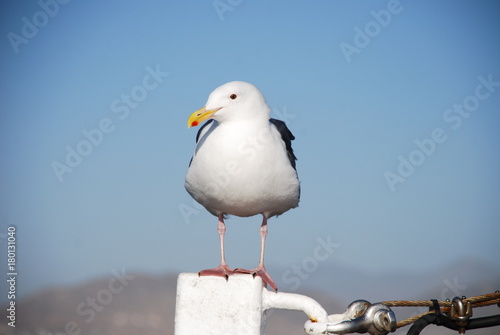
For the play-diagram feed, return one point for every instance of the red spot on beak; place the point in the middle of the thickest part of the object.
(194, 124)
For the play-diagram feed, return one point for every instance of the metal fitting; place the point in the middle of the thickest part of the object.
(460, 313)
(360, 317)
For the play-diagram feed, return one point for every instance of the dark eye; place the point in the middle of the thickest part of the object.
(233, 96)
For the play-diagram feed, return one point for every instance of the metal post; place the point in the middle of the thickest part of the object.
(214, 305)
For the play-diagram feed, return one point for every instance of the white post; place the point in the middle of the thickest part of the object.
(212, 305)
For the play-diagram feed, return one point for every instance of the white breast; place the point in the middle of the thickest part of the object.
(243, 169)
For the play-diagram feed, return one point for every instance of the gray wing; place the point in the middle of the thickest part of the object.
(287, 137)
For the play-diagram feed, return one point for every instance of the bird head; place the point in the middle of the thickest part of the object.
(236, 100)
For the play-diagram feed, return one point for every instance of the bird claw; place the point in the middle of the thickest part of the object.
(220, 271)
(225, 271)
(262, 273)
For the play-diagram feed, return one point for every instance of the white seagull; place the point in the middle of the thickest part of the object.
(243, 164)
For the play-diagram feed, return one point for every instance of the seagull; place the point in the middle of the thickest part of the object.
(243, 165)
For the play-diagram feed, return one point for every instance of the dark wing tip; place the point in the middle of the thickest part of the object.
(287, 137)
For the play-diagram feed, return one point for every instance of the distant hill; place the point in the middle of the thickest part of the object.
(467, 277)
(144, 304)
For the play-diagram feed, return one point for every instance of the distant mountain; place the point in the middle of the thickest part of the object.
(467, 277)
(138, 304)
(145, 305)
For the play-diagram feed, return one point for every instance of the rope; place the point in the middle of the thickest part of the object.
(445, 306)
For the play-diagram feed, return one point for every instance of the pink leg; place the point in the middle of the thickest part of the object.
(260, 270)
(222, 270)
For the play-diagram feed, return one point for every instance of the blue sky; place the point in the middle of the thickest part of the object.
(136, 70)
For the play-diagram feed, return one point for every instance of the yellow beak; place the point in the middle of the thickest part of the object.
(200, 115)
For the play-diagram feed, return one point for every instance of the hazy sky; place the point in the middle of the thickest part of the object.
(394, 105)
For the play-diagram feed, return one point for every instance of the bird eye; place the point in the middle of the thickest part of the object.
(233, 96)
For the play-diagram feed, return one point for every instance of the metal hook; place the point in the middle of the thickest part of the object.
(460, 313)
